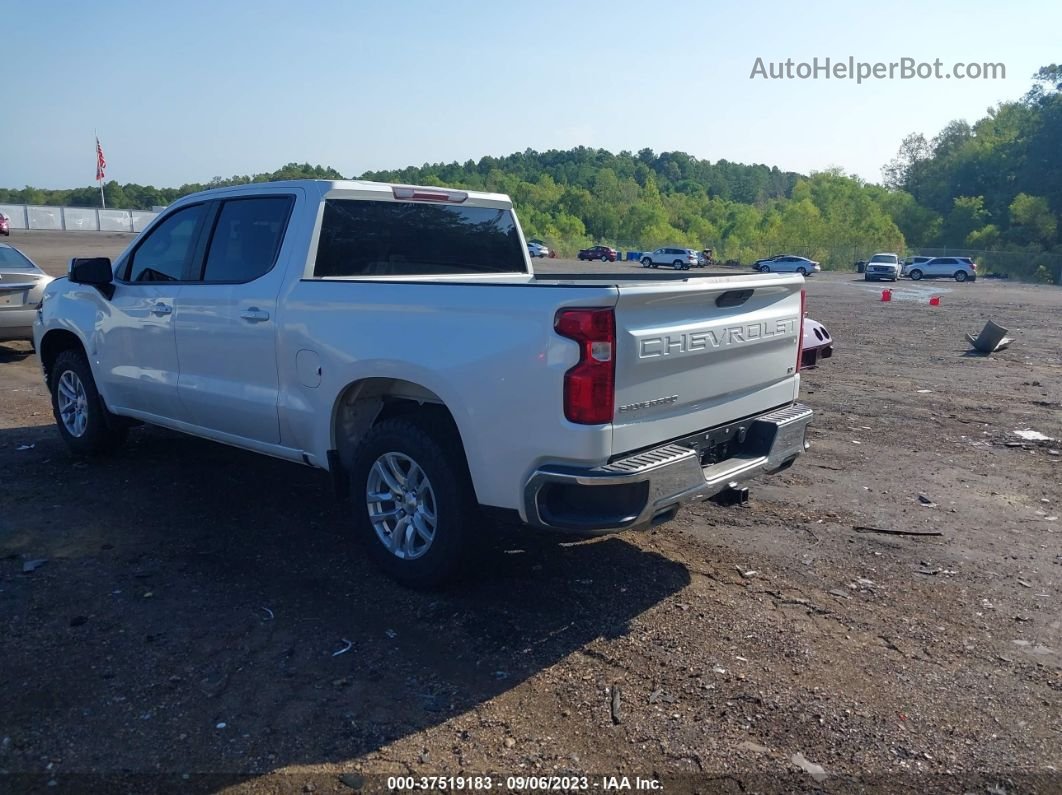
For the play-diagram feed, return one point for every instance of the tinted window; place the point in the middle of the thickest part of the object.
(246, 238)
(162, 255)
(14, 260)
(368, 238)
(883, 258)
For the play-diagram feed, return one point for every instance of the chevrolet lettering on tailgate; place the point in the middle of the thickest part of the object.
(695, 341)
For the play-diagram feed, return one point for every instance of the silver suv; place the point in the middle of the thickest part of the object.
(960, 269)
(678, 258)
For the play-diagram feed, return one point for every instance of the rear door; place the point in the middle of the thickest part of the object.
(702, 352)
(226, 320)
(942, 266)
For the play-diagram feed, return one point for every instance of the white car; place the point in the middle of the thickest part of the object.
(396, 337)
(787, 263)
(538, 250)
(677, 258)
(882, 266)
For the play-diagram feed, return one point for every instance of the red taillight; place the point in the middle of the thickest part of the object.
(590, 386)
(800, 334)
(973, 265)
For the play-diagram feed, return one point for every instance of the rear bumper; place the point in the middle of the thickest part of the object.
(648, 487)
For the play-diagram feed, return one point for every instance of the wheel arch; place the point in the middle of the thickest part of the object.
(53, 343)
(366, 402)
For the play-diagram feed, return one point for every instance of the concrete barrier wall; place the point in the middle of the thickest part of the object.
(76, 219)
(45, 217)
(80, 218)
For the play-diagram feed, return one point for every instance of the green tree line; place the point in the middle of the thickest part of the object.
(993, 185)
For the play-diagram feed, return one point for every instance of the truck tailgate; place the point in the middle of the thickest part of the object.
(700, 353)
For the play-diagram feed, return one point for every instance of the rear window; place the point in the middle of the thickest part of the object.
(11, 259)
(367, 238)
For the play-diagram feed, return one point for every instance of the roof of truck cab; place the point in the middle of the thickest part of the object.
(350, 188)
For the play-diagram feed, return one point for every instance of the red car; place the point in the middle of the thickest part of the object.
(603, 253)
(5, 225)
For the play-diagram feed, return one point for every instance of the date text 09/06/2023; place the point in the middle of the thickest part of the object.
(524, 783)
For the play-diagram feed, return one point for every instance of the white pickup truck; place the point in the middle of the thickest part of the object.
(397, 337)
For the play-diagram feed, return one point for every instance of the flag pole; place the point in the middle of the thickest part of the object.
(99, 172)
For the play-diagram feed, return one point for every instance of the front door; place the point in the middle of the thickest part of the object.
(138, 351)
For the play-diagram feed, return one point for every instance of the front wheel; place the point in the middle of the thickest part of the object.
(604, 257)
(765, 268)
(414, 507)
(84, 423)
(916, 275)
(647, 263)
(960, 276)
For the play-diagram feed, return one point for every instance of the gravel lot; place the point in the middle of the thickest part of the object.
(185, 630)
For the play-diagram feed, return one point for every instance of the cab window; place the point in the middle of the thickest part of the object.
(164, 254)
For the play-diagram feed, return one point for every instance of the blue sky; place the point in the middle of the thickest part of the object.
(193, 90)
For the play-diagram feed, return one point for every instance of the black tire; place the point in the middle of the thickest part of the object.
(435, 448)
(867, 278)
(960, 276)
(802, 271)
(647, 263)
(677, 264)
(915, 274)
(765, 268)
(102, 432)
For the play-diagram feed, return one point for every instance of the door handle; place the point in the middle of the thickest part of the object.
(162, 309)
(254, 314)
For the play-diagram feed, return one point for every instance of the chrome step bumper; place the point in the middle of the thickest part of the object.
(648, 487)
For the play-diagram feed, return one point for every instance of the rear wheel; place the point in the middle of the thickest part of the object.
(802, 271)
(960, 276)
(677, 264)
(916, 274)
(604, 257)
(414, 507)
(84, 423)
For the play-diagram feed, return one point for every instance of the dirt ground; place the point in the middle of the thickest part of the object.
(202, 621)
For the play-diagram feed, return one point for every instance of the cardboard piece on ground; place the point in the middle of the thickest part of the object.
(991, 339)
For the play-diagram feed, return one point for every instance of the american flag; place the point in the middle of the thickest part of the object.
(100, 162)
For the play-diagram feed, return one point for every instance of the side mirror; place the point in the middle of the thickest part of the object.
(94, 271)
